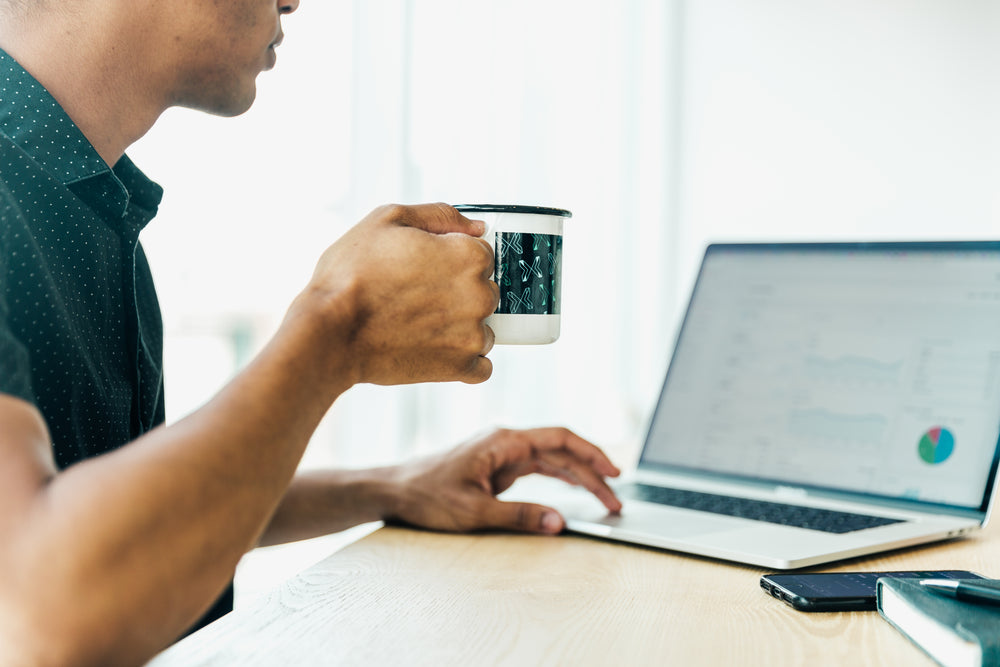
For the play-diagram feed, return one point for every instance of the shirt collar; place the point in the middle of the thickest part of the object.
(33, 120)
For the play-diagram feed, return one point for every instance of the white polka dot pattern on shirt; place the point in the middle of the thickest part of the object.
(80, 330)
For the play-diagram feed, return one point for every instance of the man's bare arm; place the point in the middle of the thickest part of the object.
(453, 490)
(108, 561)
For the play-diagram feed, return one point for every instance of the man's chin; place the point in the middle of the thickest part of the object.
(226, 106)
(236, 108)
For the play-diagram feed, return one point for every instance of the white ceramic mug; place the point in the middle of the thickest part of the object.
(527, 248)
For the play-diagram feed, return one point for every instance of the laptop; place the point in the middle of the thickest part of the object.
(823, 401)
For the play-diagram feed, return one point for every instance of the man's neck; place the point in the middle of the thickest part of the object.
(83, 69)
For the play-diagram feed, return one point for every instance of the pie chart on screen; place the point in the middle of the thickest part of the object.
(936, 445)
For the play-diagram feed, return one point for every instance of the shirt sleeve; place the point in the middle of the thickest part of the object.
(15, 362)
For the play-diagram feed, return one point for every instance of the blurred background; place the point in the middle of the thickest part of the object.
(661, 124)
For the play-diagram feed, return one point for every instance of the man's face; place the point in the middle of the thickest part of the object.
(222, 47)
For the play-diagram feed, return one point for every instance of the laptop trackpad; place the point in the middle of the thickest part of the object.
(660, 521)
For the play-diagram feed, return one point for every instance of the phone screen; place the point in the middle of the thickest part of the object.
(841, 591)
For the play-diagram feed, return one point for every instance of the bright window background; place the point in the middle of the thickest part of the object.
(661, 124)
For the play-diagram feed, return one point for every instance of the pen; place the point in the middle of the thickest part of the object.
(963, 590)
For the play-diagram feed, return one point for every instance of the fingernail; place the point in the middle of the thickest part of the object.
(551, 522)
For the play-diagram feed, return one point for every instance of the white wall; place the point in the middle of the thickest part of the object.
(661, 124)
(839, 119)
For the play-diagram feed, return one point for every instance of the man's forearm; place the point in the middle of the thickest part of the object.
(328, 501)
(146, 536)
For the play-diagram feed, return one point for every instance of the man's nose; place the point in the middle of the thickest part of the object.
(287, 6)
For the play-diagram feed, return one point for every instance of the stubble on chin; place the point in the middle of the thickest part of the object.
(221, 94)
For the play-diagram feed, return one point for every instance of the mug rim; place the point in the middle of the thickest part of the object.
(512, 208)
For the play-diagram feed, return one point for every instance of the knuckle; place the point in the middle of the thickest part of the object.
(445, 209)
(467, 365)
(495, 436)
(392, 210)
(479, 251)
(487, 252)
(444, 213)
(490, 299)
(474, 341)
(488, 265)
(491, 339)
(461, 249)
(515, 437)
(484, 369)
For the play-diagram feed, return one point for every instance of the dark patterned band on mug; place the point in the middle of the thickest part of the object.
(527, 271)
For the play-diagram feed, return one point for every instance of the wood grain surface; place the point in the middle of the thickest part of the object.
(408, 597)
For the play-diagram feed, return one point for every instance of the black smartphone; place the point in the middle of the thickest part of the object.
(841, 591)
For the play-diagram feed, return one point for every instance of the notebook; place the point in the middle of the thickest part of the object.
(823, 401)
(953, 632)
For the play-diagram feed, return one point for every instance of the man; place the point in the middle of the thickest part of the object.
(111, 552)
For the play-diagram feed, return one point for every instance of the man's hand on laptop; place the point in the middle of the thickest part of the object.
(456, 490)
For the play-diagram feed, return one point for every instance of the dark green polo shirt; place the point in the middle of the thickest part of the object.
(80, 331)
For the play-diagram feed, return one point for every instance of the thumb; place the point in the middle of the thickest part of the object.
(526, 517)
(440, 219)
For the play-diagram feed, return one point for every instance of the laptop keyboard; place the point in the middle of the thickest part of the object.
(828, 521)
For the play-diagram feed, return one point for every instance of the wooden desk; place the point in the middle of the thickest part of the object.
(408, 597)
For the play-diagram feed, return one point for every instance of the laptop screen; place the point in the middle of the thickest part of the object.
(871, 368)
